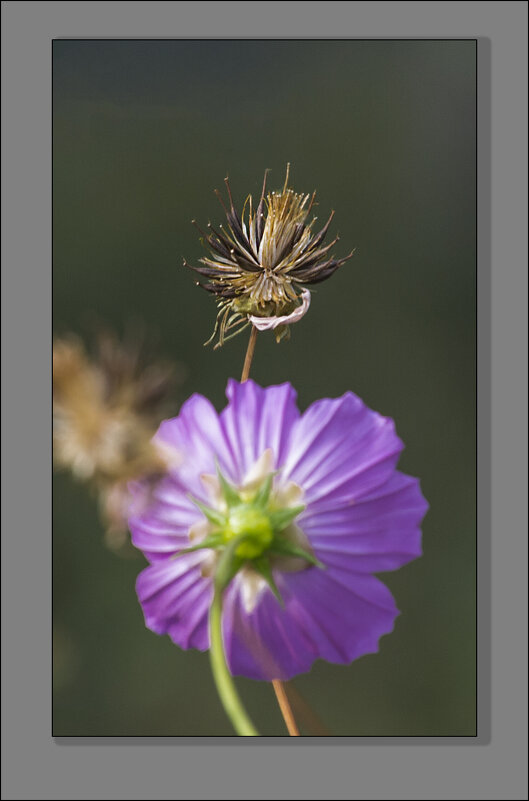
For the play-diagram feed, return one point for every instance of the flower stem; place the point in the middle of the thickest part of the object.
(281, 696)
(286, 709)
(221, 673)
(249, 355)
(223, 678)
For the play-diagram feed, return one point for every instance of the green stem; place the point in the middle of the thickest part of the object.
(221, 674)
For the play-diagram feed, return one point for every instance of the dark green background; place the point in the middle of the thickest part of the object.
(385, 131)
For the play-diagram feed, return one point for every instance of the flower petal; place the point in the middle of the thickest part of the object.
(340, 450)
(267, 643)
(269, 323)
(162, 527)
(176, 598)
(256, 419)
(198, 436)
(380, 532)
(328, 614)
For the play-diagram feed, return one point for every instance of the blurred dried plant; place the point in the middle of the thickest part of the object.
(106, 409)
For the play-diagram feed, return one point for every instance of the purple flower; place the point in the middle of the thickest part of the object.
(325, 484)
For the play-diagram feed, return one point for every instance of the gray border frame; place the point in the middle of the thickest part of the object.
(36, 766)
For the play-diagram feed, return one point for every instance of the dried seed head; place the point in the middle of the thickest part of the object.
(263, 259)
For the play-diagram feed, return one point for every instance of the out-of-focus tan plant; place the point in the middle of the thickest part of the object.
(106, 408)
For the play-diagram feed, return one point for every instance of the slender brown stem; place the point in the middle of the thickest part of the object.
(249, 355)
(282, 700)
(286, 709)
(305, 714)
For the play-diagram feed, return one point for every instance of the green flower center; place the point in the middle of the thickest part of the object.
(252, 522)
(253, 526)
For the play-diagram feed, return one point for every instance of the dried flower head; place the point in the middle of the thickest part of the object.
(262, 260)
(106, 411)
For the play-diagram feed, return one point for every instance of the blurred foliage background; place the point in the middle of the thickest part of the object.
(385, 131)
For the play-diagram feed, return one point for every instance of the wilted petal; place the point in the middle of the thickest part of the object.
(269, 323)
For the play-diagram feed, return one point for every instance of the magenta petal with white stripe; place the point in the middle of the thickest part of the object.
(361, 516)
